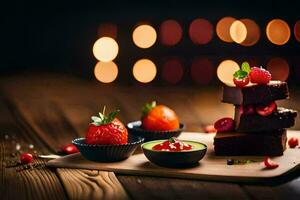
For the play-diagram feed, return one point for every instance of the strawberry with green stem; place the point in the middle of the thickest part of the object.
(106, 129)
(159, 118)
(240, 77)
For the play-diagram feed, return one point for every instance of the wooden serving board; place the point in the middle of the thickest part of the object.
(211, 167)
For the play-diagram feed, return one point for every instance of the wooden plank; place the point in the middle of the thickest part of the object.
(142, 187)
(211, 167)
(91, 184)
(35, 183)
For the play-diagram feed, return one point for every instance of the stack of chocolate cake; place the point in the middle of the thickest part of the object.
(256, 133)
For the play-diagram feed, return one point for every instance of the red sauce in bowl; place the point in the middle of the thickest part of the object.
(173, 144)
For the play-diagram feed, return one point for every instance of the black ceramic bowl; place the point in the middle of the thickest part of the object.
(135, 128)
(108, 153)
(171, 159)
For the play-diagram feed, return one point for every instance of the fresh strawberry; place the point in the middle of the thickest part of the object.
(259, 75)
(224, 125)
(240, 77)
(266, 110)
(293, 142)
(106, 130)
(241, 82)
(269, 164)
(159, 118)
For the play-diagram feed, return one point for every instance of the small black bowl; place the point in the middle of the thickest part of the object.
(108, 153)
(182, 159)
(135, 128)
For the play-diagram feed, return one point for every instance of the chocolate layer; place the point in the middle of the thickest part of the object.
(255, 144)
(282, 118)
(255, 94)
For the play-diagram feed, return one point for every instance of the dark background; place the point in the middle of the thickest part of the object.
(57, 36)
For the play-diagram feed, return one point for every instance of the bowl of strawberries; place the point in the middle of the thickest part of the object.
(107, 139)
(157, 122)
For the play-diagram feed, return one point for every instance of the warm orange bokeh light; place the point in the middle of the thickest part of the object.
(144, 36)
(279, 69)
(170, 32)
(144, 70)
(105, 49)
(202, 70)
(222, 29)
(297, 30)
(238, 31)
(226, 70)
(108, 30)
(106, 72)
(278, 32)
(253, 32)
(172, 70)
(201, 31)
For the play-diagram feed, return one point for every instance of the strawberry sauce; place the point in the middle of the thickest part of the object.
(173, 145)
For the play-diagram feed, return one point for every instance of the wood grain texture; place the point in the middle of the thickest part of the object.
(91, 184)
(35, 183)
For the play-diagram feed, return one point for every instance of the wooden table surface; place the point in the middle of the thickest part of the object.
(49, 110)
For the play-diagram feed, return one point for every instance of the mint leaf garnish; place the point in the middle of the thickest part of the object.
(246, 67)
(240, 74)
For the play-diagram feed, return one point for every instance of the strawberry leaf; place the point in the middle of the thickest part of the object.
(246, 67)
(111, 116)
(104, 119)
(96, 119)
(240, 74)
(147, 107)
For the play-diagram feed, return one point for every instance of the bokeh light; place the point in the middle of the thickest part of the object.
(105, 49)
(144, 36)
(278, 32)
(108, 30)
(238, 31)
(226, 70)
(279, 69)
(253, 32)
(201, 31)
(223, 27)
(202, 70)
(144, 70)
(170, 32)
(172, 70)
(297, 30)
(106, 72)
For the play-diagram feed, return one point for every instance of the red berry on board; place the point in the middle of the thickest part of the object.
(69, 149)
(269, 164)
(247, 110)
(26, 158)
(259, 75)
(293, 142)
(224, 124)
(210, 129)
(266, 110)
(241, 82)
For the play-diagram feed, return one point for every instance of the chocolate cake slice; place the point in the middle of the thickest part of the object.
(280, 119)
(255, 94)
(255, 144)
